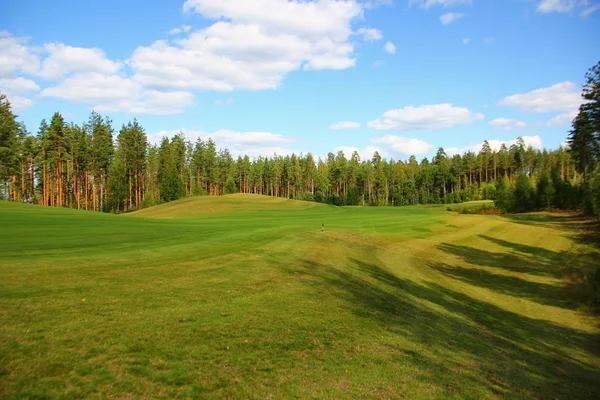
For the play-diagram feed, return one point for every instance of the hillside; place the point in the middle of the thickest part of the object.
(245, 297)
(203, 205)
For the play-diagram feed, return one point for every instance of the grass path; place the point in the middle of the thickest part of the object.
(244, 297)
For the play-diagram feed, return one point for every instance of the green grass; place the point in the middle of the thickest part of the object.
(243, 297)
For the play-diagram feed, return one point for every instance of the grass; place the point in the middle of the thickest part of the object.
(243, 297)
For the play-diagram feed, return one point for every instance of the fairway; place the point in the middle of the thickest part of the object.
(243, 296)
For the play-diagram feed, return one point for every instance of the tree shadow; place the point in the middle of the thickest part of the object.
(509, 285)
(505, 261)
(541, 254)
(582, 229)
(470, 343)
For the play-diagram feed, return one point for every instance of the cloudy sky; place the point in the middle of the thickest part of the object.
(278, 76)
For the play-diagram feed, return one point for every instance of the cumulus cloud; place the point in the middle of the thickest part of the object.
(345, 125)
(253, 46)
(16, 56)
(450, 17)
(426, 4)
(507, 124)
(562, 119)
(116, 93)
(425, 117)
(18, 85)
(253, 144)
(533, 141)
(20, 103)
(565, 96)
(15, 88)
(403, 145)
(250, 45)
(370, 34)
(390, 48)
(62, 60)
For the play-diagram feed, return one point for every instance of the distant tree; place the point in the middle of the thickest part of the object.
(583, 143)
(230, 186)
(504, 195)
(591, 93)
(9, 141)
(523, 200)
(545, 192)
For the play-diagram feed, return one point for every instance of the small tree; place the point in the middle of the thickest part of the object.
(503, 195)
(545, 192)
(230, 186)
(523, 194)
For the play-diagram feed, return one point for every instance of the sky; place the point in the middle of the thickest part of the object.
(264, 77)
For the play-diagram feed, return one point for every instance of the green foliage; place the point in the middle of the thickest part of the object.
(523, 195)
(230, 186)
(545, 192)
(504, 196)
(307, 196)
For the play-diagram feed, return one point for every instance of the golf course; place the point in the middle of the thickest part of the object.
(243, 296)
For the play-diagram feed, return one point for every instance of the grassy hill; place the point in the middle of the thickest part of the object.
(244, 297)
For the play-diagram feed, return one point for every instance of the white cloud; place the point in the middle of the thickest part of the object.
(588, 11)
(370, 34)
(13, 88)
(345, 125)
(507, 124)
(562, 119)
(465, 41)
(253, 144)
(565, 96)
(430, 3)
(256, 45)
(390, 48)
(116, 93)
(425, 117)
(548, 6)
(450, 17)
(402, 145)
(378, 63)
(18, 85)
(180, 29)
(19, 103)
(63, 60)
(533, 141)
(16, 57)
(221, 102)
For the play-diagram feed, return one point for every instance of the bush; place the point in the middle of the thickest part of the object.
(308, 196)
(230, 187)
(523, 199)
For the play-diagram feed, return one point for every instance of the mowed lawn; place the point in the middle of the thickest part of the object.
(243, 296)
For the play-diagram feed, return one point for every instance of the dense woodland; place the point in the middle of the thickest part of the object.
(91, 166)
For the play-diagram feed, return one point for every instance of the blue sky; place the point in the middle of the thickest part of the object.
(401, 77)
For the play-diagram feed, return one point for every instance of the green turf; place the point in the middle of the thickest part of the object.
(244, 297)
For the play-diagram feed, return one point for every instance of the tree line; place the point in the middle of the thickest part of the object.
(90, 166)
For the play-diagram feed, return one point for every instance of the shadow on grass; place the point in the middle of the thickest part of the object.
(511, 262)
(467, 344)
(509, 285)
(581, 229)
